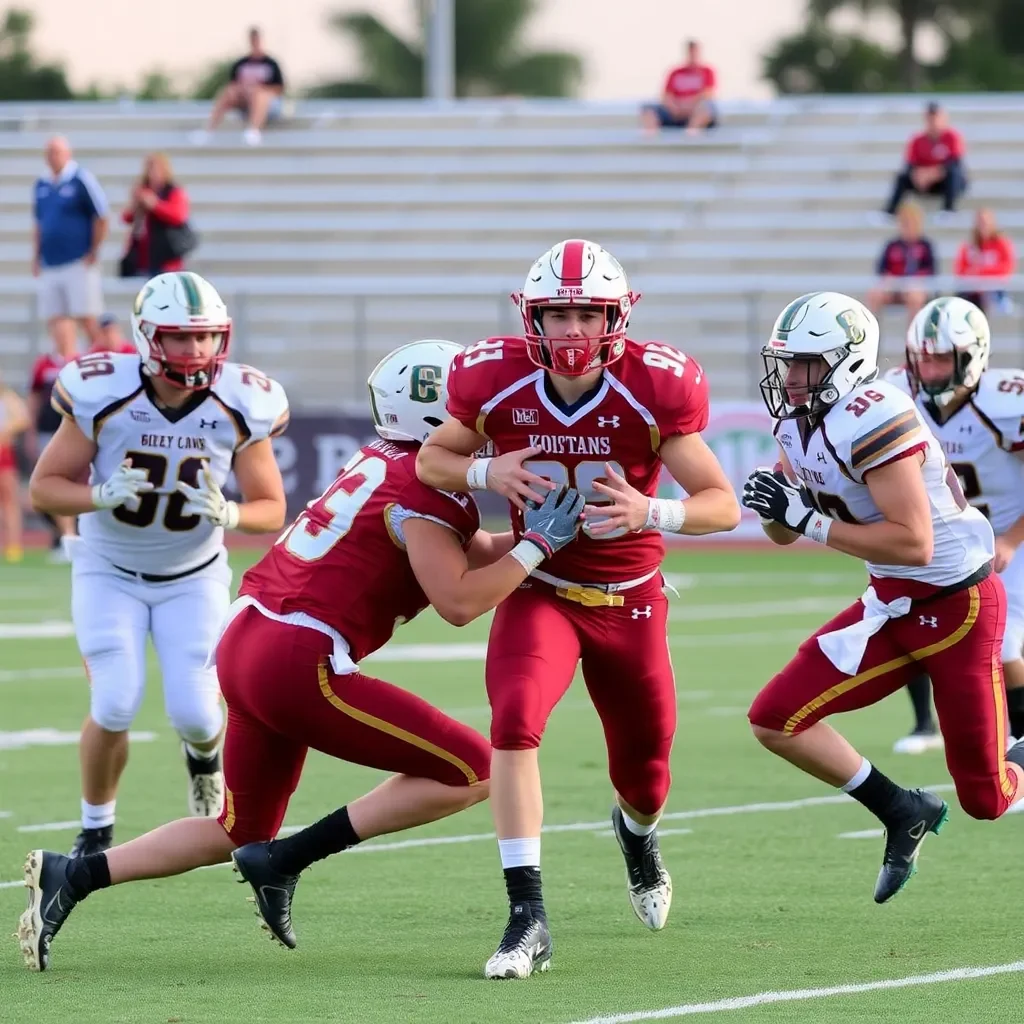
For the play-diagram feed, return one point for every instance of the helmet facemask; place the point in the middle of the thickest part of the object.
(188, 372)
(807, 377)
(574, 357)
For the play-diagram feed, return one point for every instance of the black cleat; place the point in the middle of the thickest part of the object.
(272, 890)
(525, 947)
(925, 813)
(49, 903)
(649, 884)
(92, 840)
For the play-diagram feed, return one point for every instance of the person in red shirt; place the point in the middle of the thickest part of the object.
(577, 403)
(988, 253)
(157, 210)
(369, 554)
(686, 100)
(934, 163)
(110, 337)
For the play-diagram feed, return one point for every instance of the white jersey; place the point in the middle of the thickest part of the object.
(111, 401)
(873, 425)
(979, 440)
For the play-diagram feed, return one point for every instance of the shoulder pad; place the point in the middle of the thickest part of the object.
(897, 376)
(256, 402)
(90, 385)
(675, 385)
(1000, 400)
(481, 373)
(875, 423)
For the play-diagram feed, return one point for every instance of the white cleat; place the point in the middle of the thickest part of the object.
(525, 948)
(648, 883)
(206, 795)
(651, 905)
(918, 743)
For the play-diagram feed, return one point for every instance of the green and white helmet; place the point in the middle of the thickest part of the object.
(408, 390)
(949, 325)
(180, 303)
(819, 326)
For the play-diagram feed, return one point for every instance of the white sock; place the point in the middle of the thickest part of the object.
(636, 828)
(861, 774)
(519, 853)
(97, 815)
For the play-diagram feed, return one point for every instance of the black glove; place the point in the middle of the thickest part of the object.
(776, 500)
(556, 522)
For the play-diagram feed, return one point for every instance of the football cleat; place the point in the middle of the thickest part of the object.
(903, 838)
(649, 884)
(525, 947)
(92, 840)
(272, 891)
(49, 903)
(919, 742)
(205, 786)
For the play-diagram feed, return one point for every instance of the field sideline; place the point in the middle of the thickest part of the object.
(772, 921)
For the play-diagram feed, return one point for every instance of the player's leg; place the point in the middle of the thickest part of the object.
(628, 671)
(1013, 642)
(970, 701)
(786, 718)
(111, 624)
(531, 657)
(187, 617)
(925, 735)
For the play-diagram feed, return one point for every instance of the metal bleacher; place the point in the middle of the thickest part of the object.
(357, 226)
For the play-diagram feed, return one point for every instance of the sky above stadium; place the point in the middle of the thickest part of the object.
(627, 46)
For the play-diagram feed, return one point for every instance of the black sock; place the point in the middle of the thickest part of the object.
(295, 853)
(87, 874)
(920, 690)
(1015, 707)
(523, 885)
(880, 795)
(205, 765)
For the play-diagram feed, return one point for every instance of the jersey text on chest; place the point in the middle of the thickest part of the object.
(196, 444)
(569, 444)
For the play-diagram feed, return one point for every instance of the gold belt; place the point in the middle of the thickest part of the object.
(590, 597)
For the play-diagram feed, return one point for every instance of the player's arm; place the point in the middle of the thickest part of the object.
(54, 486)
(446, 461)
(486, 548)
(263, 506)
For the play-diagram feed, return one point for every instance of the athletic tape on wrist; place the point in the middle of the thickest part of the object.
(666, 514)
(528, 555)
(817, 529)
(476, 475)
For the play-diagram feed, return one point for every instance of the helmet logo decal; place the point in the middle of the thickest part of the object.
(193, 299)
(140, 299)
(852, 325)
(425, 383)
(793, 315)
(976, 322)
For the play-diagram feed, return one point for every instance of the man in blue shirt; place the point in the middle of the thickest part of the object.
(70, 225)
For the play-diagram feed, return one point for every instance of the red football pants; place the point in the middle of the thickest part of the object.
(536, 640)
(957, 640)
(283, 698)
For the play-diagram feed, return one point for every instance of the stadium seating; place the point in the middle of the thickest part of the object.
(355, 227)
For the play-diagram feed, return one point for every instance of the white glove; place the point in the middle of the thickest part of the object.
(207, 500)
(123, 488)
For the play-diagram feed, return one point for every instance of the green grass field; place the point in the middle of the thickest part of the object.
(766, 899)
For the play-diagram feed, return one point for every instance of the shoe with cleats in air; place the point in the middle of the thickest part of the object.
(49, 902)
(648, 883)
(904, 835)
(272, 890)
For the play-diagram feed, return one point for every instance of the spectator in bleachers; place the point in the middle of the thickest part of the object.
(256, 88)
(910, 255)
(111, 338)
(988, 253)
(158, 213)
(70, 225)
(934, 163)
(687, 100)
(14, 420)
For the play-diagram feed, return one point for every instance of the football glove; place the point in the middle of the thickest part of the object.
(123, 488)
(207, 500)
(776, 500)
(555, 523)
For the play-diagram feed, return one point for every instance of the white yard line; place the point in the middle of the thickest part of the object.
(867, 833)
(50, 826)
(800, 994)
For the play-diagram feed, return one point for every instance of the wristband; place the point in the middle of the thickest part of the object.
(233, 515)
(476, 475)
(96, 494)
(817, 529)
(528, 555)
(666, 514)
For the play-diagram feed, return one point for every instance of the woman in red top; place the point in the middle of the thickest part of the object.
(989, 253)
(157, 204)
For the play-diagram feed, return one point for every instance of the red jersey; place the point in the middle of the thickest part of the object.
(45, 371)
(653, 392)
(993, 258)
(689, 80)
(122, 348)
(924, 151)
(343, 560)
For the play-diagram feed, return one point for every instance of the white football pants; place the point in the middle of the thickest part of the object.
(113, 613)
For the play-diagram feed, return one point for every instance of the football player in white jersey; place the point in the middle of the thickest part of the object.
(977, 414)
(861, 473)
(157, 440)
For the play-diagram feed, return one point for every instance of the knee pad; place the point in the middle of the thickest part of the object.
(511, 730)
(644, 785)
(986, 803)
(116, 691)
(194, 708)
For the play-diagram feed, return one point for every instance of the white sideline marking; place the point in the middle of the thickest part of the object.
(27, 674)
(662, 832)
(49, 826)
(798, 994)
(12, 885)
(54, 738)
(867, 833)
(687, 581)
(48, 630)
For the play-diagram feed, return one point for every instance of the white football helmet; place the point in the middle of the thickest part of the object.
(408, 392)
(822, 346)
(948, 325)
(180, 303)
(576, 273)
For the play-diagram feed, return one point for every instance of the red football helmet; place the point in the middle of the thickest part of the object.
(576, 273)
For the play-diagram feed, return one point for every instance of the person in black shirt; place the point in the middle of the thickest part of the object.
(910, 255)
(255, 88)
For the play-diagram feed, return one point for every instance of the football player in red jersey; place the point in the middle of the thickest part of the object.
(370, 553)
(577, 403)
